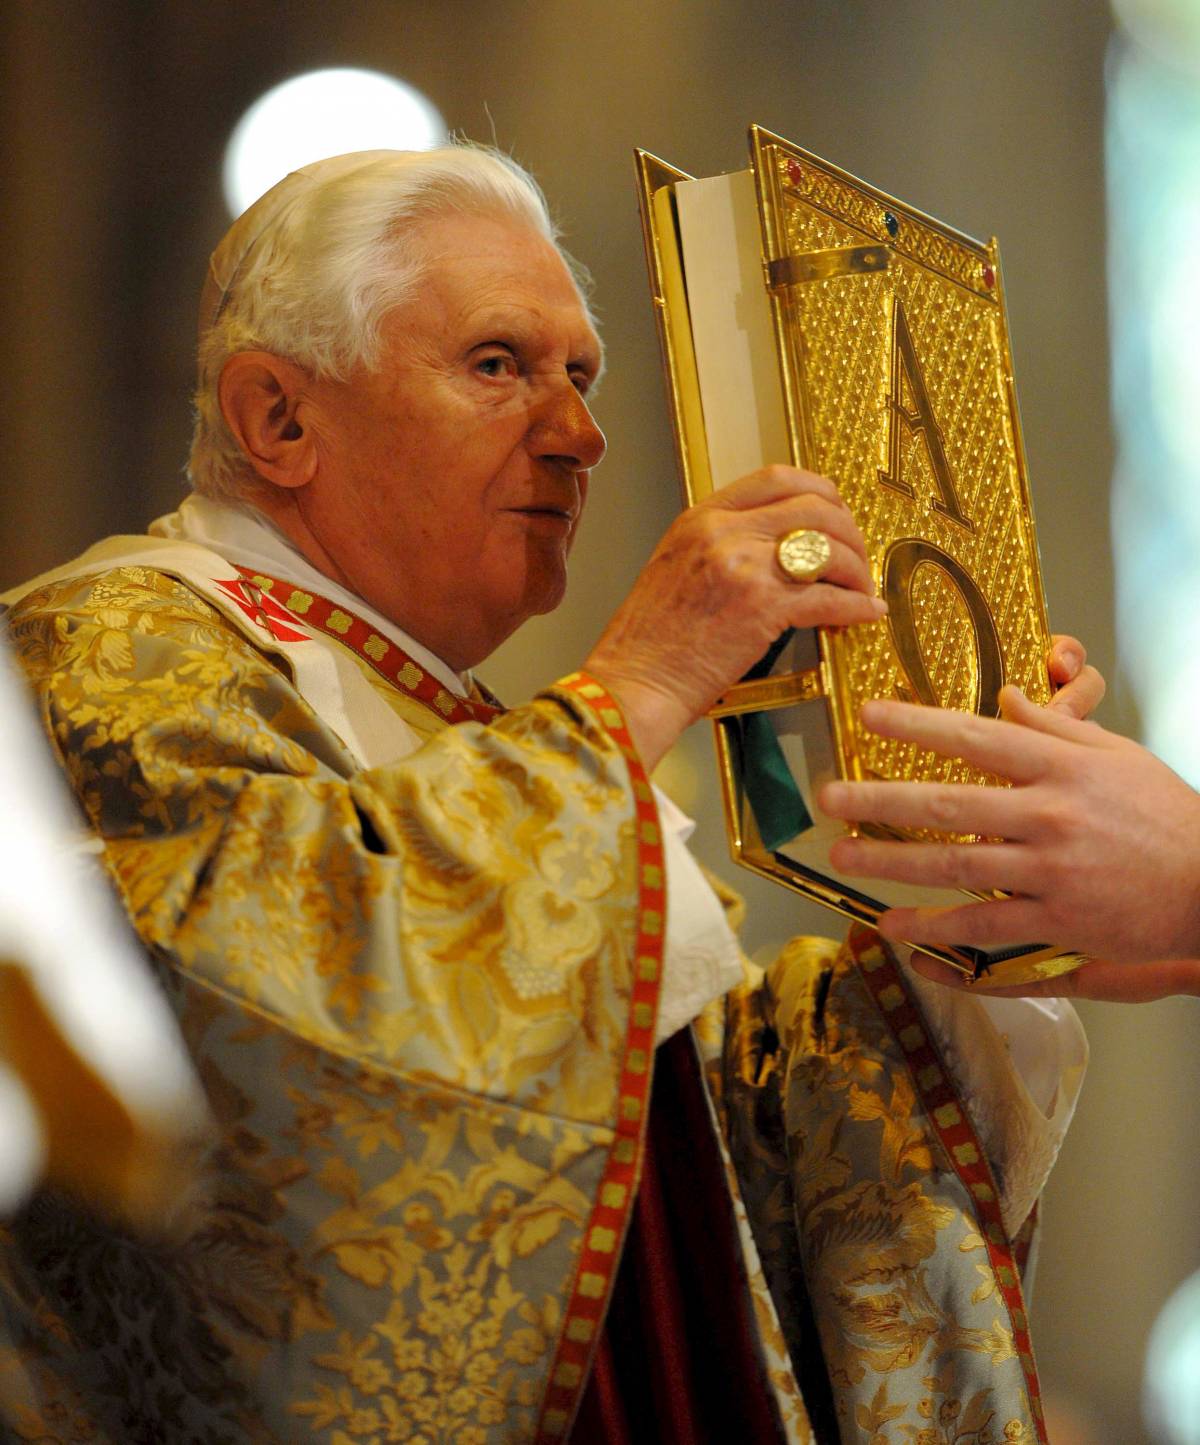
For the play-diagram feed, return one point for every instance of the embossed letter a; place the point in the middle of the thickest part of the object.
(917, 418)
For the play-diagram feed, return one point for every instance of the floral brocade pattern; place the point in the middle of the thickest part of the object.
(408, 992)
(371, 1263)
(862, 1224)
(461, 911)
(431, 963)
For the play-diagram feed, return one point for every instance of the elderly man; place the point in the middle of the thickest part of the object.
(423, 950)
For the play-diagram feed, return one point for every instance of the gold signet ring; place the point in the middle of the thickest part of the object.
(803, 556)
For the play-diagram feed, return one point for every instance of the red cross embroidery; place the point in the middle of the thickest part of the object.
(262, 610)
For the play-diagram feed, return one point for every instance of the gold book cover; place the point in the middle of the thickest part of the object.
(808, 317)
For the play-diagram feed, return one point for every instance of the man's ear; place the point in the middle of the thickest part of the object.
(265, 405)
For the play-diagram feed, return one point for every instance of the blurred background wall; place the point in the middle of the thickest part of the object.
(989, 115)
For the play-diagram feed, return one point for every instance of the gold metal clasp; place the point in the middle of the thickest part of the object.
(822, 265)
(769, 692)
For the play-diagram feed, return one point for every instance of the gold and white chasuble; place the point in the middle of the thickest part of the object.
(420, 969)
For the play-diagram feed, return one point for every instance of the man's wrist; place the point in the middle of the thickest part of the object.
(653, 716)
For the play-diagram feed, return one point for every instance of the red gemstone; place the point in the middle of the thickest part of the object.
(795, 174)
(989, 276)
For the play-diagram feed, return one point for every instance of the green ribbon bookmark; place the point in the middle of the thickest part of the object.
(770, 789)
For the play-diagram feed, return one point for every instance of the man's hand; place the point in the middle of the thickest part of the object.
(712, 599)
(1098, 840)
(1078, 688)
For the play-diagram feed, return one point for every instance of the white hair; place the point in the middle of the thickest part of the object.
(313, 268)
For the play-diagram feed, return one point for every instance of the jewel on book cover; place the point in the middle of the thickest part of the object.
(989, 276)
(795, 172)
(891, 224)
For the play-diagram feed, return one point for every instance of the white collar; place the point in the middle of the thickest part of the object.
(245, 537)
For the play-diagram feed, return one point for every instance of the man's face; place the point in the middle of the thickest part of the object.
(451, 478)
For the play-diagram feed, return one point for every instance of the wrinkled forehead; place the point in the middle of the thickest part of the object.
(484, 263)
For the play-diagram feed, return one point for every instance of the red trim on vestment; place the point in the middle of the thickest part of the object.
(278, 600)
(604, 1234)
(952, 1124)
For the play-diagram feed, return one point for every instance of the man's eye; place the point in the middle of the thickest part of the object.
(581, 381)
(497, 363)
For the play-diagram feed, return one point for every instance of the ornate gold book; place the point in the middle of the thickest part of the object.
(807, 317)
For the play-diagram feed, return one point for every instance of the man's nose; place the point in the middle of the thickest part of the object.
(565, 429)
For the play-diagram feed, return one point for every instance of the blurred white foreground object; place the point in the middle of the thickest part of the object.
(96, 1092)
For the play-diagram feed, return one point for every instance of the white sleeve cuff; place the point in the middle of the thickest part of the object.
(1019, 1063)
(702, 958)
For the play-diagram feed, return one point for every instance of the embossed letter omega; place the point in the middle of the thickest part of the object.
(906, 555)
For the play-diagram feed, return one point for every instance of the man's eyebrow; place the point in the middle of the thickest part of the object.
(495, 325)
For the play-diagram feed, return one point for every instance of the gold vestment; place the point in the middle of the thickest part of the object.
(415, 996)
